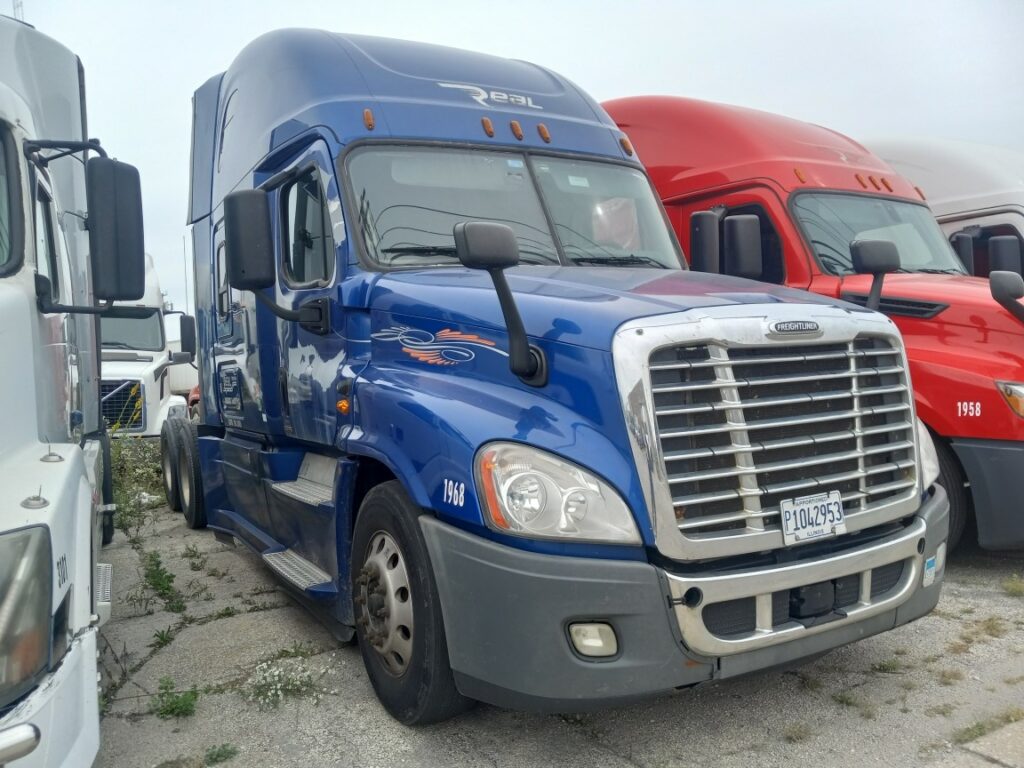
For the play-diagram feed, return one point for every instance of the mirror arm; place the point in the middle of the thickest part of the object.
(284, 314)
(314, 315)
(44, 300)
(875, 294)
(68, 146)
(1015, 308)
(526, 360)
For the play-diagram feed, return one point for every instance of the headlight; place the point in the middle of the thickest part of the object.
(25, 574)
(929, 458)
(533, 493)
(1013, 394)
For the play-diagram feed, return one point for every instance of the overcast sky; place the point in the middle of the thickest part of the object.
(947, 68)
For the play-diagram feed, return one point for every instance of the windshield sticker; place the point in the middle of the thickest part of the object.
(579, 181)
(515, 163)
(446, 347)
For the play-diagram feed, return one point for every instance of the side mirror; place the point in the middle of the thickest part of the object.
(493, 247)
(178, 358)
(874, 257)
(1004, 254)
(248, 245)
(963, 244)
(116, 244)
(486, 245)
(1007, 288)
(188, 337)
(743, 256)
(705, 249)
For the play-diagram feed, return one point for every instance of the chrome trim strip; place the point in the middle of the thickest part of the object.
(761, 583)
(731, 325)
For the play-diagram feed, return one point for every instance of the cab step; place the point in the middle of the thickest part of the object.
(315, 483)
(103, 585)
(300, 572)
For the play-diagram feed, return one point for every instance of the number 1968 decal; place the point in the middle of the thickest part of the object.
(454, 493)
(969, 408)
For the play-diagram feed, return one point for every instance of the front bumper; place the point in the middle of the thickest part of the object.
(995, 469)
(507, 614)
(65, 710)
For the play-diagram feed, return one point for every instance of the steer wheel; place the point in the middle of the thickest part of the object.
(385, 612)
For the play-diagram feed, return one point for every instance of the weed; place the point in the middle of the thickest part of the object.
(1014, 586)
(797, 732)
(220, 754)
(169, 703)
(135, 468)
(983, 727)
(226, 613)
(196, 590)
(943, 710)
(809, 683)
(298, 650)
(140, 599)
(908, 685)
(216, 573)
(932, 659)
(963, 645)
(993, 626)
(949, 676)
(162, 638)
(900, 652)
(1014, 680)
(889, 666)
(848, 699)
(274, 681)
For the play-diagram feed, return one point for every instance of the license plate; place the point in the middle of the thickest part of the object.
(812, 517)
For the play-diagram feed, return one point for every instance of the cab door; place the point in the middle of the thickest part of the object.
(312, 245)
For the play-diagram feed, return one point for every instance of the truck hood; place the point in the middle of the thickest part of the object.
(130, 364)
(575, 305)
(957, 300)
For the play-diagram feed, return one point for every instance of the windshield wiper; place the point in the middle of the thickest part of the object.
(619, 261)
(937, 271)
(425, 250)
(117, 344)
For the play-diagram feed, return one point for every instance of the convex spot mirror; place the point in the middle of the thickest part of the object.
(486, 245)
(742, 246)
(1004, 254)
(116, 244)
(248, 246)
(188, 339)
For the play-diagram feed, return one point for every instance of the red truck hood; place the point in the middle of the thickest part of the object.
(967, 300)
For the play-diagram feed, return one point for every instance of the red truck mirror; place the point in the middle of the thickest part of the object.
(1004, 254)
(1007, 289)
(248, 245)
(874, 257)
(116, 244)
(743, 257)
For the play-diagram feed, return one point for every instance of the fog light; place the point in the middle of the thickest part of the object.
(596, 640)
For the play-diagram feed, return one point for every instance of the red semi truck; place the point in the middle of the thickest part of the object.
(814, 191)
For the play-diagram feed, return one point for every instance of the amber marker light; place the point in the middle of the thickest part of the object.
(860, 179)
(488, 126)
(800, 175)
(544, 132)
(886, 184)
(517, 129)
(874, 183)
(344, 406)
(487, 466)
(627, 146)
(368, 120)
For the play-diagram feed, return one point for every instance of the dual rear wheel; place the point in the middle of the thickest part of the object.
(179, 465)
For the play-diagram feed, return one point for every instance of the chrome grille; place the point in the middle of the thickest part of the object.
(742, 428)
(122, 404)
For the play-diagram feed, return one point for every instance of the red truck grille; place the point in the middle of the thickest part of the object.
(742, 428)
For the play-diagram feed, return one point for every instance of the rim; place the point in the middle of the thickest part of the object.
(186, 488)
(168, 471)
(384, 603)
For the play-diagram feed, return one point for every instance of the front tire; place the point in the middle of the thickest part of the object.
(190, 478)
(398, 611)
(951, 478)
(169, 449)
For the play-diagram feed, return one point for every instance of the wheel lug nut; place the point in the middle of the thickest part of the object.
(360, 599)
(383, 613)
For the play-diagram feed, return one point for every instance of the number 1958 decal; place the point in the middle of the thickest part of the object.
(969, 408)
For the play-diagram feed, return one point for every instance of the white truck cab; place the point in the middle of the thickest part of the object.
(973, 189)
(70, 243)
(137, 390)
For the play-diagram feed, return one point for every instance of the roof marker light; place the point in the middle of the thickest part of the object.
(517, 129)
(627, 146)
(368, 120)
(488, 126)
(800, 175)
(861, 180)
(886, 184)
(544, 132)
(920, 193)
(874, 182)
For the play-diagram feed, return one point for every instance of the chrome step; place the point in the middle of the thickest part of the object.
(103, 585)
(315, 483)
(295, 569)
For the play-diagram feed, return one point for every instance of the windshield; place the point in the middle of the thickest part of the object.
(831, 222)
(5, 208)
(602, 214)
(133, 332)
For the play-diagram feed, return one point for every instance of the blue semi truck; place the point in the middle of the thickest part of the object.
(461, 394)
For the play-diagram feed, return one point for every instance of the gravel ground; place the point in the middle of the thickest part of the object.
(272, 687)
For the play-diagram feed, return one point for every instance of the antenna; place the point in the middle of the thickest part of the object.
(19, 10)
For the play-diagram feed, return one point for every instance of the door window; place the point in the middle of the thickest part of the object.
(981, 237)
(46, 247)
(309, 246)
(6, 185)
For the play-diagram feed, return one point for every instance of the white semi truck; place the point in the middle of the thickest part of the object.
(138, 392)
(70, 243)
